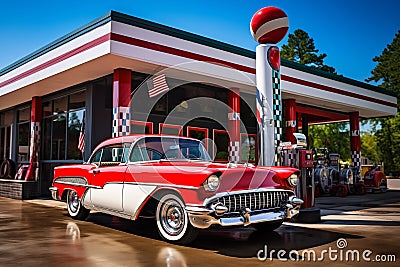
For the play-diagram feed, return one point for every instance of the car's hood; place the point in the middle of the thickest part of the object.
(233, 176)
(243, 178)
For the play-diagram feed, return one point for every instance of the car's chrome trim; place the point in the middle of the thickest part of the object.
(249, 191)
(204, 217)
(70, 183)
(165, 185)
(135, 183)
(78, 184)
(246, 218)
(71, 180)
(94, 186)
(54, 192)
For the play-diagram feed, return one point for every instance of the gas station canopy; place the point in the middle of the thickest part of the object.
(120, 41)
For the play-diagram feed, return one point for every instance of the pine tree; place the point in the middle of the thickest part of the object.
(387, 130)
(387, 71)
(301, 49)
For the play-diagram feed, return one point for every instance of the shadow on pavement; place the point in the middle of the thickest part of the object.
(358, 202)
(361, 222)
(286, 237)
(234, 242)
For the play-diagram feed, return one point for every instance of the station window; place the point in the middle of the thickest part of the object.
(170, 129)
(221, 140)
(23, 130)
(140, 127)
(6, 122)
(198, 133)
(62, 123)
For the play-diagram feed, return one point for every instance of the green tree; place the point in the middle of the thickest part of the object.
(301, 48)
(387, 130)
(369, 148)
(334, 136)
(387, 71)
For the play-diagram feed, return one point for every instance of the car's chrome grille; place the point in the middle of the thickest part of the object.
(254, 201)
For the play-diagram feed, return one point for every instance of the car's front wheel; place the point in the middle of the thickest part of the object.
(172, 220)
(74, 206)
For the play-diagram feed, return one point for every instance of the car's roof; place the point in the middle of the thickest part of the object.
(133, 137)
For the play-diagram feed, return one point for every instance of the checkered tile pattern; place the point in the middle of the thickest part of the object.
(356, 158)
(292, 158)
(234, 151)
(288, 158)
(277, 106)
(121, 121)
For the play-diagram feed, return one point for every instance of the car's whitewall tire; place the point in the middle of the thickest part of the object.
(172, 220)
(75, 207)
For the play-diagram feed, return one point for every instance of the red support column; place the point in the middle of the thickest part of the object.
(355, 142)
(121, 102)
(34, 146)
(234, 125)
(291, 120)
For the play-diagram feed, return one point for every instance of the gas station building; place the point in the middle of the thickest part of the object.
(95, 75)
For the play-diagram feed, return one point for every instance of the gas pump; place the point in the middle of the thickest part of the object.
(344, 180)
(323, 181)
(298, 156)
(333, 170)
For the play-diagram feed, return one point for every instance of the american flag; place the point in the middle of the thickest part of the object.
(81, 142)
(157, 85)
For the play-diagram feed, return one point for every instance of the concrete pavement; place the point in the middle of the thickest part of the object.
(39, 232)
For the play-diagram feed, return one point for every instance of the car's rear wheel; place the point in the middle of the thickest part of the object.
(268, 226)
(172, 220)
(75, 207)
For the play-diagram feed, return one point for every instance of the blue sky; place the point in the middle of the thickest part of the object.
(351, 32)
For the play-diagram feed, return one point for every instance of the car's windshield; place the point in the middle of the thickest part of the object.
(168, 148)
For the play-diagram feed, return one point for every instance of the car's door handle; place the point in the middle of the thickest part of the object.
(96, 171)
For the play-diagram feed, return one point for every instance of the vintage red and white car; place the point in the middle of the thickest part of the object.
(174, 180)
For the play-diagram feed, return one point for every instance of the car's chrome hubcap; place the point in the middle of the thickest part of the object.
(172, 217)
(73, 201)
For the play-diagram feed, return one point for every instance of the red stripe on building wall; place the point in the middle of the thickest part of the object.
(178, 52)
(58, 59)
(335, 90)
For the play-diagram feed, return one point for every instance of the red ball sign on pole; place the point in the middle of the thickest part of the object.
(269, 25)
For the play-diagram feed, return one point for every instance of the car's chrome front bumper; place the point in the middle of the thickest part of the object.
(202, 218)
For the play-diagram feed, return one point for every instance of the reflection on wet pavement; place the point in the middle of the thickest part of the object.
(33, 235)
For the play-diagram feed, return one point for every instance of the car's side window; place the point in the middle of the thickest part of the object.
(139, 154)
(95, 159)
(112, 155)
(125, 152)
(142, 151)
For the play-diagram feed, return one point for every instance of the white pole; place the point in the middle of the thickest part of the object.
(265, 116)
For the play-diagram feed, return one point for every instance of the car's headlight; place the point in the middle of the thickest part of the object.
(212, 183)
(293, 180)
